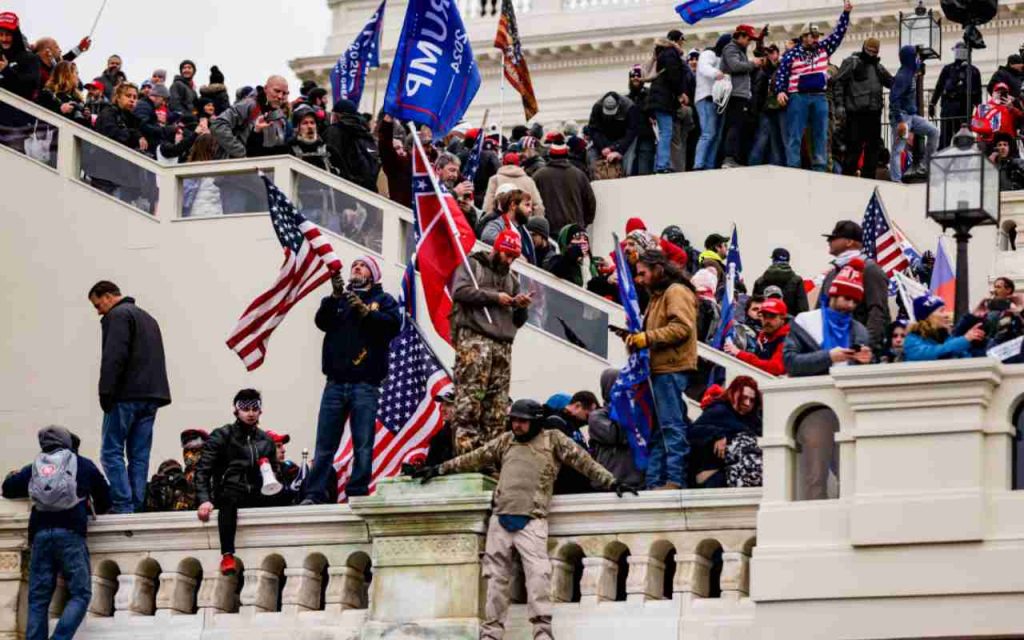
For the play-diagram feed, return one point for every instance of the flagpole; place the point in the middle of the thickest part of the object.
(449, 218)
(97, 20)
(501, 100)
(426, 345)
(376, 86)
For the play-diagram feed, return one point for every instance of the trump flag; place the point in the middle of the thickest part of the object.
(434, 77)
(348, 77)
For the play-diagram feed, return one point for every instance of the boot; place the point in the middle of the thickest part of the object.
(228, 565)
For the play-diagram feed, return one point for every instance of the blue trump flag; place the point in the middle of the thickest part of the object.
(693, 11)
(434, 77)
(348, 77)
(733, 267)
(632, 404)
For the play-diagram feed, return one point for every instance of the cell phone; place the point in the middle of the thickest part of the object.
(856, 346)
(618, 330)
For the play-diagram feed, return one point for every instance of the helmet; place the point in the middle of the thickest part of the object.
(526, 409)
(675, 235)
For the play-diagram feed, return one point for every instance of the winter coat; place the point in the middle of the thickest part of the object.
(609, 442)
(951, 87)
(616, 132)
(90, 484)
(230, 463)
(873, 310)
(354, 150)
(470, 301)
(1011, 174)
(670, 82)
(1010, 76)
(109, 82)
(670, 326)
(917, 348)
(718, 421)
(218, 94)
(490, 164)
(903, 95)
(183, 96)
(316, 153)
(736, 65)
(511, 174)
(120, 125)
(355, 347)
(54, 101)
(782, 276)
(567, 194)
(151, 129)
(201, 198)
(761, 96)
(532, 165)
(767, 352)
(859, 83)
(23, 74)
(169, 490)
(567, 264)
(235, 134)
(802, 352)
(132, 365)
(640, 98)
(707, 74)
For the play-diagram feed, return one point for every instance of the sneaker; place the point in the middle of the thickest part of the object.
(307, 502)
(730, 163)
(228, 565)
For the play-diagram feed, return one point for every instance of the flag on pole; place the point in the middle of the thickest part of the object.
(516, 71)
(733, 267)
(909, 289)
(733, 257)
(408, 417)
(943, 282)
(407, 295)
(434, 76)
(437, 247)
(881, 242)
(693, 11)
(632, 403)
(473, 161)
(348, 77)
(309, 261)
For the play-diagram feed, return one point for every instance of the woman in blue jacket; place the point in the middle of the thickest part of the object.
(930, 338)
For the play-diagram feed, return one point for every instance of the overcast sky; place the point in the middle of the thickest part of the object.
(247, 39)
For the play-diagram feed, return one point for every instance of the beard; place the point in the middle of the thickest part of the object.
(499, 267)
(359, 283)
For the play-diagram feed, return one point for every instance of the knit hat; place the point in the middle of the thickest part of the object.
(194, 438)
(510, 158)
(159, 73)
(539, 225)
(1015, 58)
(850, 281)
(508, 242)
(780, 255)
(774, 306)
(642, 238)
(243, 92)
(184, 62)
(554, 137)
(9, 21)
(527, 142)
(216, 76)
(160, 91)
(675, 35)
(693, 54)
(558, 151)
(636, 71)
(872, 43)
(344, 106)
(635, 223)
(705, 281)
(301, 112)
(371, 264)
(926, 305)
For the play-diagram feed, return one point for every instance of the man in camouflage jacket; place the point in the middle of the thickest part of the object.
(528, 458)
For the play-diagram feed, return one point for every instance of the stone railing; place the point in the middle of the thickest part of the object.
(405, 563)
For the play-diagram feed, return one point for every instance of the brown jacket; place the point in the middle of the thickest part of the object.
(670, 326)
(512, 174)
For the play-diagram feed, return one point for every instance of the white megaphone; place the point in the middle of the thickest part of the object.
(271, 486)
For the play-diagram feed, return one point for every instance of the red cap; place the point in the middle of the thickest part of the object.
(94, 85)
(633, 224)
(9, 21)
(554, 137)
(279, 438)
(508, 242)
(747, 30)
(774, 306)
(511, 158)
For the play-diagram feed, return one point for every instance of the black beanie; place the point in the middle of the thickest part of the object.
(216, 77)
(184, 62)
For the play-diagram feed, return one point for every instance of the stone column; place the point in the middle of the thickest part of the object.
(301, 590)
(176, 593)
(734, 581)
(346, 589)
(135, 596)
(11, 565)
(101, 605)
(217, 593)
(561, 580)
(598, 583)
(645, 580)
(427, 541)
(692, 574)
(259, 592)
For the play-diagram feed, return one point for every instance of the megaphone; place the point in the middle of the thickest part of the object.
(271, 486)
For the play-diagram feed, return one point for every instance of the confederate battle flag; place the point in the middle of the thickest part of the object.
(516, 71)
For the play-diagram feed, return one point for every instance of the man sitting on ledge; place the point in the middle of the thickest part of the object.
(528, 458)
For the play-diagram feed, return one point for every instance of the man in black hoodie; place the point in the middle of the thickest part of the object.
(133, 385)
(20, 69)
(183, 89)
(353, 146)
(951, 88)
(858, 86)
(666, 89)
(57, 536)
(781, 275)
(614, 125)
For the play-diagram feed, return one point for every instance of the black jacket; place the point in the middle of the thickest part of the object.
(859, 83)
(951, 87)
(354, 150)
(670, 83)
(183, 96)
(792, 285)
(91, 484)
(23, 74)
(1012, 78)
(617, 131)
(120, 125)
(718, 421)
(230, 462)
(133, 366)
(640, 98)
(356, 347)
(316, 153)
(154, 132)
(54, 101)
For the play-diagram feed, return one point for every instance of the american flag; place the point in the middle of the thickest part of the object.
(516, 71)
(309, 261)
(882, 243)
(408, 417)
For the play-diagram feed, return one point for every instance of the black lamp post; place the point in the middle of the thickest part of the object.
(963, 193)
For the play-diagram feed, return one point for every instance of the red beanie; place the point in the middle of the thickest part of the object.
(633, 224)
(511, 158)
(850, 281)
(558, 151)
(508, 241)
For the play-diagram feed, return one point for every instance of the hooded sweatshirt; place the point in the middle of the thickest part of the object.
(903, 95)
(512, 174)
(567, 264)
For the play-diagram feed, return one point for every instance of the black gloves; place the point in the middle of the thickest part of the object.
(931, 111)
(426, 474)
(337, 284)
(356, 303)
(621, 488)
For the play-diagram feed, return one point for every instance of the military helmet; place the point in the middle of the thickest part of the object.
(526, 409)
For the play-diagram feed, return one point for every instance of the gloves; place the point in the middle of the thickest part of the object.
(426, 474)
(84, 44)
(636, 341)
(620, 488)
(106, 403)
(337, 284)
(931, 110)
(356, 303)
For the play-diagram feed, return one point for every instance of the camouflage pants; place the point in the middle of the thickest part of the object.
(483, 371)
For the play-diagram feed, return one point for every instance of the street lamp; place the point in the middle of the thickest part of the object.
(963, 193)
(922, 30)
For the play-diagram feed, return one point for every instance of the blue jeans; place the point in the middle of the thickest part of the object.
(707, 145)
(803, 110)
(356, 403)
(663, 154)
(919, 127)
(769, 144)
(57, 552)
(669, 446)
(127, 429)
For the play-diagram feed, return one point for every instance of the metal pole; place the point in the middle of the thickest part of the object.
(970, 72)
(962, 235)
(501, 100)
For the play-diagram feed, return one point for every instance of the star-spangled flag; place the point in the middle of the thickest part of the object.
(309, 261)
(408, 416)
(348, 77)
(473, 162)
(513, 60)
(882, 243)
(632, 404)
